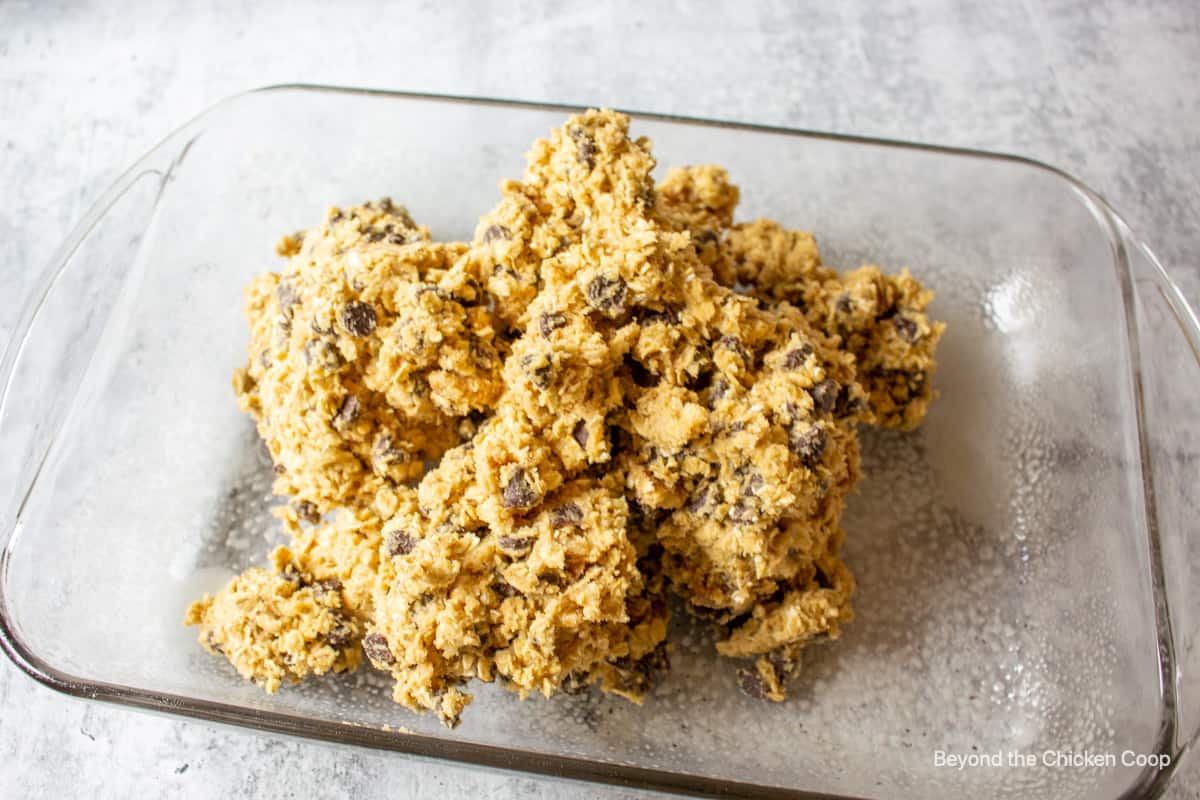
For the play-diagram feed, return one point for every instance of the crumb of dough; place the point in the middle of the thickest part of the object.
(882, 320)
(613, 393)
(279, 624)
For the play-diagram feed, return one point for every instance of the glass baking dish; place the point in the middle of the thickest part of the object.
(1025, 560)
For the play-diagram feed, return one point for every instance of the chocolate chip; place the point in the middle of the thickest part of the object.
(549, 323)
(376, 648)
(385, 452)
(734, 344)
(651, 316)
(907, 330)
(751, 683)
(606, 294)
(308, 512)
(283, 330)
(808, 444)
(213, 644)
(697, 501)
(395, 234)
(824, 395)
(753, 485)
(291, 574)
(347, 413)
(359, 318)
(503, 587)
(585, 146)
(540, 375)
(843, 304)
(796, 357)
(743, 513)
(550, 578)
(518, 492)
(580, 433)
(398, 543)
(328, 585)
(566, 514)
(456, 529)
(288, 297)
(515, 544)
(340, 636)
(322, 353)
(434, 289)
(494, 233)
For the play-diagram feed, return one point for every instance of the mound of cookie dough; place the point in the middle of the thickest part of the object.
(503, 456)
(303, 615)
(367, 355)
(879, 319)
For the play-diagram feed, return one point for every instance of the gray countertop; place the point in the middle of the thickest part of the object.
(1104, 89)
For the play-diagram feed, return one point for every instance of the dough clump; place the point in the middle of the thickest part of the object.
(503, 456)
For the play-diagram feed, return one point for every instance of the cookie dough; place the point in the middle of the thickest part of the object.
(555, 597)
(367, 355)
(612, 394)
(880, 319)
(306, 613)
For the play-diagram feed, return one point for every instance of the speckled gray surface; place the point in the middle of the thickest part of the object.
(1103, 89)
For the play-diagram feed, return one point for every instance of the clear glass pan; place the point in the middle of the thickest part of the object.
(1026, 560)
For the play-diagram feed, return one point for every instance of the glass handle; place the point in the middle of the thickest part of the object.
(1168, 377)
